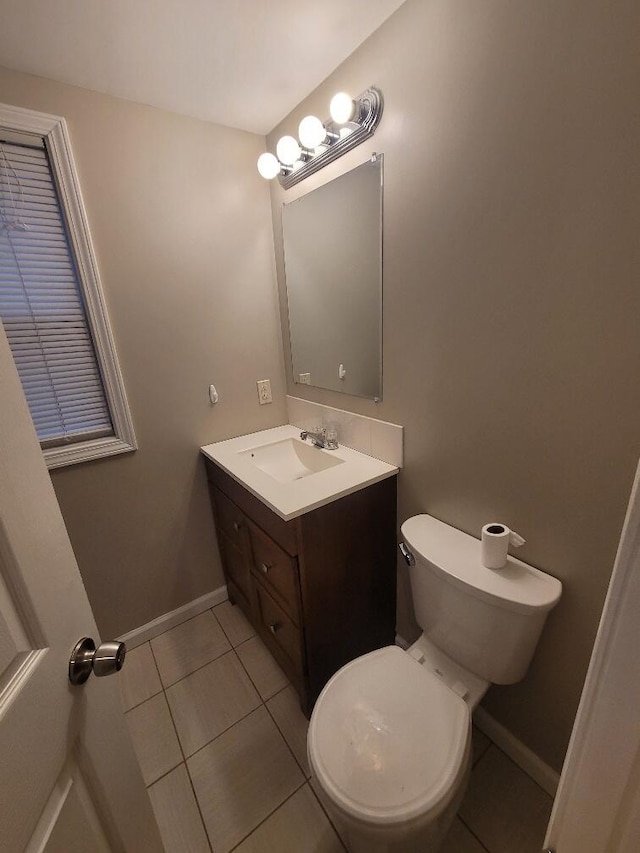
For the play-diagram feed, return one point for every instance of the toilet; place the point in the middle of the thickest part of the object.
(389, 741)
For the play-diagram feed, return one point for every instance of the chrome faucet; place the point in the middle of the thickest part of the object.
(319, 438)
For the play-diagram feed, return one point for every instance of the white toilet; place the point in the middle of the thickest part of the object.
(389, 740)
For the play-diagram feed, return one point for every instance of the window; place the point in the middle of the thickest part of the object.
(51, 301)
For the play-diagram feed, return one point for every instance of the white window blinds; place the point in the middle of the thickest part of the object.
(41, 304)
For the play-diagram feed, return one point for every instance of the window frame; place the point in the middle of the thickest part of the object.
(53, 131)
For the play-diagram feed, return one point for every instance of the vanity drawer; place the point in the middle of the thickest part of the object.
(280, 631)
(277, 571)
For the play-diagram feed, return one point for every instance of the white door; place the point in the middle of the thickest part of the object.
(69, 780)
(597, 808)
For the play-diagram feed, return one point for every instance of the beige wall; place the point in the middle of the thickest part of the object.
(181, 227)
(511, 298)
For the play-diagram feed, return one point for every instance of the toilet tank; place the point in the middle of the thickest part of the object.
(488, 620)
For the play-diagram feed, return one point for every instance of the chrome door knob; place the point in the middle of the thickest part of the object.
(85, 659)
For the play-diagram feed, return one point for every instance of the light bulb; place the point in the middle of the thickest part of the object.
(342, 108)
(311, 132)
(268, 166)
(288, 150)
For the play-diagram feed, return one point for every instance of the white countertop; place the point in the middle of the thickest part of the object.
(289, 500)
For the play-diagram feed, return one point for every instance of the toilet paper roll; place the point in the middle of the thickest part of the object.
(496, 538)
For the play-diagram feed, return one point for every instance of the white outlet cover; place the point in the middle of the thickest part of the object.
(264, 391)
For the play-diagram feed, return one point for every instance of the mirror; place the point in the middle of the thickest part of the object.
(333, 270)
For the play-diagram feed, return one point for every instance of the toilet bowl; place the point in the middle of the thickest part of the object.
(389, 740)
(389, 745)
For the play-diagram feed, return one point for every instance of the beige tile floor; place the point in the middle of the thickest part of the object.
(221, 742)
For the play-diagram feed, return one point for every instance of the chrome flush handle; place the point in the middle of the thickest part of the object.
(409, 559)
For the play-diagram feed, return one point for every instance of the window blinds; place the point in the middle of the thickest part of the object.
(41, 304)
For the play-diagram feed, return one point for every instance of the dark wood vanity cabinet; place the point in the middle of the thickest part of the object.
(319, 589)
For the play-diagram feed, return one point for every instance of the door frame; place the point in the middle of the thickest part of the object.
(597, 806)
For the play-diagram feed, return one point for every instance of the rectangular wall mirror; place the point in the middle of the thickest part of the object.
(333, 270)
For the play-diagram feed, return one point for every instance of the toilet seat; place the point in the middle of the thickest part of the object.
(388, 740)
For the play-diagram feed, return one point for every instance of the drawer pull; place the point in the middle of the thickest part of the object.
(237, 525)
(265, 567)
(275, 627)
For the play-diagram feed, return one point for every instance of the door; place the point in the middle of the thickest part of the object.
(597, 808)
(69, 780)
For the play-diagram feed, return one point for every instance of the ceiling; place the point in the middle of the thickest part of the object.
(241, 63)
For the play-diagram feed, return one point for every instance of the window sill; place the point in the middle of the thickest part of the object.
(86, 451)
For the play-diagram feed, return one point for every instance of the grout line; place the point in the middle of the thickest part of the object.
(224, 731)
(197, 669)
(265, 819)
(173, 722)
(231, 643)
(248, 674)
(283, 736)
(153, 695)
(184, 760)
(466, 825)
(264, 699)
(137, 705)
(327, 815)
(165, 774)
(197, 801)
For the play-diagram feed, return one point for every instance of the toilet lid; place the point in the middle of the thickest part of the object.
(387, 738)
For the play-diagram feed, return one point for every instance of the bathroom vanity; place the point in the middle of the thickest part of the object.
(308, 557)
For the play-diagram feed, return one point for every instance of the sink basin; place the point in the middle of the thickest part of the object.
(290, 459)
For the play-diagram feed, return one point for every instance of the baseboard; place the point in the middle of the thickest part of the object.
(520, 754)
(169, 620)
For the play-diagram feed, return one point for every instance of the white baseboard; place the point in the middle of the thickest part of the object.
(169, 620)
(520, 754)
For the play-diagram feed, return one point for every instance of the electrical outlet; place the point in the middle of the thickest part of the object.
(264, 391)
(304, 378)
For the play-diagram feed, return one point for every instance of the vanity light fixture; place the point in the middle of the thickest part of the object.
(342, 108)
(288, 150)
(352, 121)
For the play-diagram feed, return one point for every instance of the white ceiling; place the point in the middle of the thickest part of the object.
(242, 63)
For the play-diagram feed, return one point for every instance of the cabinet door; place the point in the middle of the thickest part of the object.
(235, 548)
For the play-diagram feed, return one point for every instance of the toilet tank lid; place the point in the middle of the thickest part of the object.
(457, 557)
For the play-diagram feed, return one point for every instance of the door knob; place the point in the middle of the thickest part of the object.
(85, 659)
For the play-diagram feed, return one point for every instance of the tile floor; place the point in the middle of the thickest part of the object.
(221, 742)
